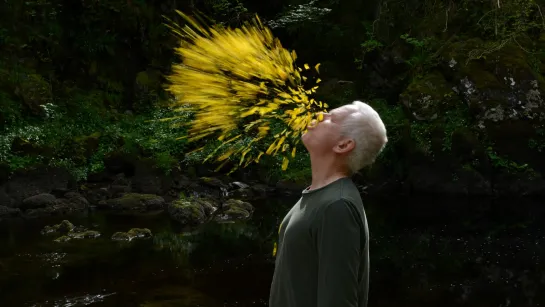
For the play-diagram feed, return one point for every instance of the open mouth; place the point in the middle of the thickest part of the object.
(315, 122)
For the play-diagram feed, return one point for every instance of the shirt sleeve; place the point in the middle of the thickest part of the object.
(338, 243)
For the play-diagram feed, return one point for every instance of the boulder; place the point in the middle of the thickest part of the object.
(192, 210)
(134, 233)
(134, 202)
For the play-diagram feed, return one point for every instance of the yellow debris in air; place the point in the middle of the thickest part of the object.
(243, 77)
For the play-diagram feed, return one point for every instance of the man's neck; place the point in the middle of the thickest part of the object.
(324, 173)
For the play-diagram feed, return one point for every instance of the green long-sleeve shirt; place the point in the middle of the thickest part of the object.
(322, 257)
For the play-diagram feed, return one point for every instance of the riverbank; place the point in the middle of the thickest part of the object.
(193, 195)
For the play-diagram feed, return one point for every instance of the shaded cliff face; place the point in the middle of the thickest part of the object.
(480, 120)
(460, 91)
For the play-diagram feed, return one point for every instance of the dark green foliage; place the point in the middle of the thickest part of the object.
(82, 80)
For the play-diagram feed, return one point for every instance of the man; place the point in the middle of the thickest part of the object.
(322, 258)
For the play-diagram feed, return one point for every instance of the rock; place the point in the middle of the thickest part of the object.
(208, 204)
(238, 185)
(95, 193)
(134, 233)
(260, 191)
(212, 182)
(235, 203)
(119, 162)
(504, 95)
(63, 227)
(121, 236)
(62, 239)
(35, 92)
(234, 209)
(148, 179)
(27, 183)
(38, 201)
(118, 190)
(69, 232)
(423, 94)
(191, 211)
(72, 202)
(245, 193)
(89, 234)
(140, 232)
(76, 199)
(7, 212)
(134, 202)
(5, 199)
(59, 193)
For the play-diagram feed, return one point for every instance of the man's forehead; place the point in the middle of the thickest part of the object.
(343, 110)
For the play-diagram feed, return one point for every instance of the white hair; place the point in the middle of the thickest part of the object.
(367, 130)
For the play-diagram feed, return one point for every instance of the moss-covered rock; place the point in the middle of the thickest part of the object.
(63, 227)
(88, 234)
(234, 209)
(69, 231)
(85, 146)
(134, 202)
(38, 201)
(429, 97)
(188, 211)
(212, 182)
(25, 147)
(134, 233)
(71, 202)
(35, 91)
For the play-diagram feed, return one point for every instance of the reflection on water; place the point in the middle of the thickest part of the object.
(423, 253)
(83, 300)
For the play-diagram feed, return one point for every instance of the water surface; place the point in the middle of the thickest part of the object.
(423, 253)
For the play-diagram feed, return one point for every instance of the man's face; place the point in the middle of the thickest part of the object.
(322, 137)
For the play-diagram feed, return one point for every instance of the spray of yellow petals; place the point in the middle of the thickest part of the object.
(243, 77)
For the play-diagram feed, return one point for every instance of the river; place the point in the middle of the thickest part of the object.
(424, 252)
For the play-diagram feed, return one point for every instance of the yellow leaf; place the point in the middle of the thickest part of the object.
(285, 163)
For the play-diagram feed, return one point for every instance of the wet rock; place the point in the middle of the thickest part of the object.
(187, 212)
(237, 185)
(70, 203)
(95, 193)
(76, 199)
(234, 209)
(88, 234)
(7, 212)
(212, 182)
(134, 233)
(244, 193)
(63, 227)
(262, 190)
(192, 210)
(38, 201)
(27, 183)
(69, 231)
(134, 202)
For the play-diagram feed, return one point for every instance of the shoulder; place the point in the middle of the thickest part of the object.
(341, 210)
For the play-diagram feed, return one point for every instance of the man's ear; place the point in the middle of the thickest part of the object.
(344, 146)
